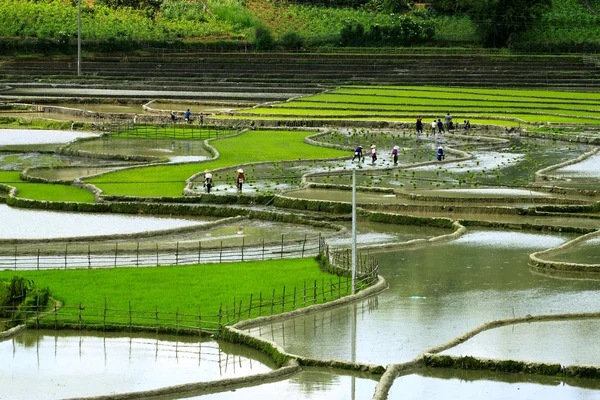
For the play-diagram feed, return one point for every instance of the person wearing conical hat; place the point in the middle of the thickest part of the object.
(395, 154)
(358, 153)
(208, 180)
(241, 178)
(373, 154)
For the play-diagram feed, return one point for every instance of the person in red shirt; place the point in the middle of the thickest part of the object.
(241, 178)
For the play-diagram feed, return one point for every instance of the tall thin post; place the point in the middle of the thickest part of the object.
(79, 38)
(353, 231)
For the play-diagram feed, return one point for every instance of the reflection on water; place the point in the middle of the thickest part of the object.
(475, 385)
(527, 342)
(27, 136)
(34, 224)
(145, 147)
(310, 383)
(68, 364)
(437, 293)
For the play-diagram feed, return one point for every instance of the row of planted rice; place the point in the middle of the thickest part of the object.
(404, 104)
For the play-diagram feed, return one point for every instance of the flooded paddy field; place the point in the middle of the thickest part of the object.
(510, 165)
(17, 161)
(175, 150)
(472, 385)
(570, 342)
(55, 116)
(80, 364)
(127, 108)
(367, 199)
(21, 137)
(374, 233)
(71, 173)
(310, 383)
(437, 293)
(586, 252)
(195, 107)
(35, 224)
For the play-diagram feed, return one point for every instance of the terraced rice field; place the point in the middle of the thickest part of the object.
(479, 106)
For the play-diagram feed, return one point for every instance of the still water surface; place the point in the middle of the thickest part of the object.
(78, 364)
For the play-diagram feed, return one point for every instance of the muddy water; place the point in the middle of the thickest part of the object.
(195, 107)
(513, 164)
(79, 364)
(309, 383)
(370, 233)
(388, 198)
(47, 115)
(20, 161)
(69, 173)
(587, 252)
(102, 107)
(145, 147)
(475, 385)
(527, 342)
(588, 168)
(590, 223)
(436, 293)
(583, 175)
(33, 224)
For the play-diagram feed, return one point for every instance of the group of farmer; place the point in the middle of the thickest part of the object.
(187, 117)
(358, 154)
(239, 180)
(441, 127)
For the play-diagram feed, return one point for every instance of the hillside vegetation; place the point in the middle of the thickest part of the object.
(109, 25)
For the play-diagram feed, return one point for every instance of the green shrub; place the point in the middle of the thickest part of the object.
(21, 296)
(263, 39)
(182, 10)
(232, 12)
(291, 40)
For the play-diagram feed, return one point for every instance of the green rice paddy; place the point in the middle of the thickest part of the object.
(249, 147)
(395, 104)
(188, 289)
(42, 191)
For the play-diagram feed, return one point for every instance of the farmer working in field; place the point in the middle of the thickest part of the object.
(241, 178)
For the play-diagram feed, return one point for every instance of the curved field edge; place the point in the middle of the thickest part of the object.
(246, 148)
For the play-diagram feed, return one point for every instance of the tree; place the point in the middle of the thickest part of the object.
(498, 20)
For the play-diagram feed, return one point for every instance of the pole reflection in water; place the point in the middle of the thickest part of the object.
(303, 331)
(353, 350)
(115, 364)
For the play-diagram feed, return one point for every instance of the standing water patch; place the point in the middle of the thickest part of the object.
(47, 364)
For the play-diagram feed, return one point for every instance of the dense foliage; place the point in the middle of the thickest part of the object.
(113, 25)
(497, 21)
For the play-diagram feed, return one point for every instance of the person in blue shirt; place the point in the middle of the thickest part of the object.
(440, 153)
(187, 115)
(358, 153)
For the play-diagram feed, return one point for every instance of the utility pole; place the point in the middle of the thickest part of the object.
(79, 38)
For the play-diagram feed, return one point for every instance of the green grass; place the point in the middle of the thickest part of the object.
(538, 115)
(42, 191)
(184, 288)
(396, 103)
(451, 92)
(499, 122)
(249, 147)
